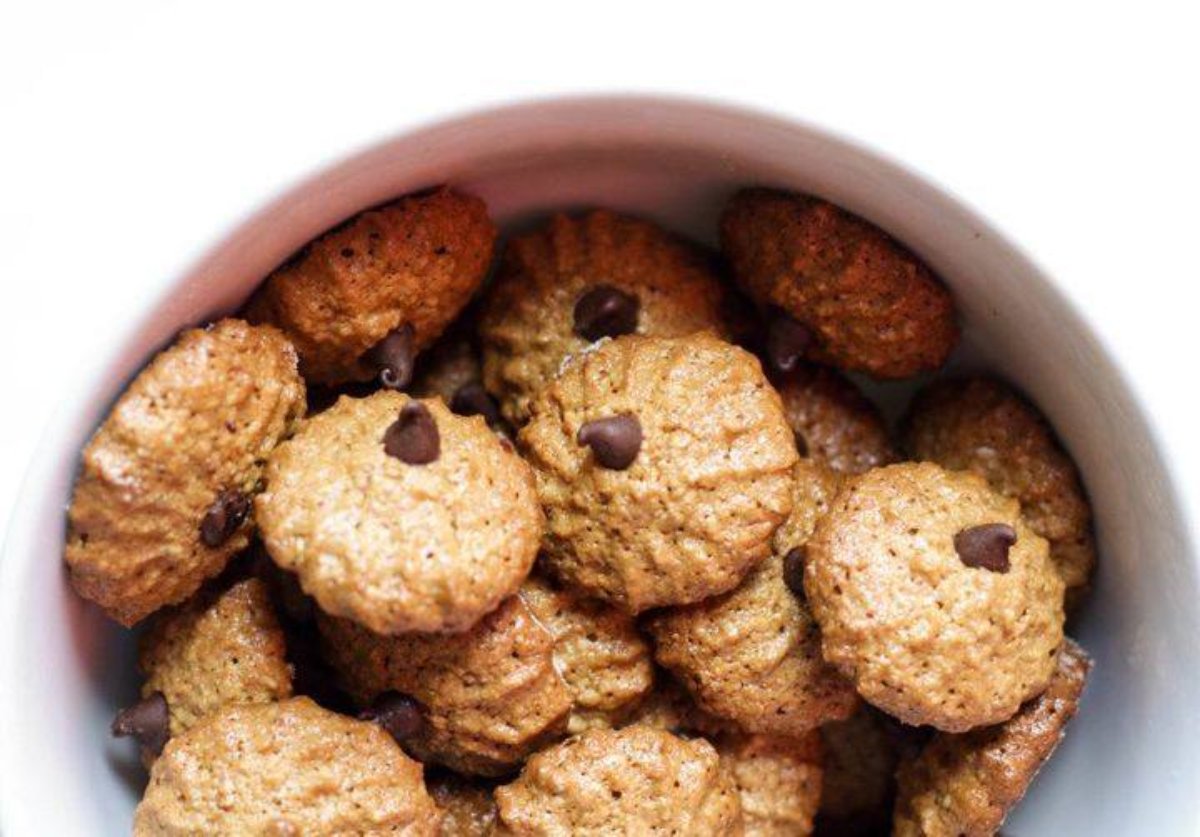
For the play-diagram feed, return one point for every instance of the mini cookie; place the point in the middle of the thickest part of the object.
(664, 467)
(966, 784)
(451, 371)
(669, 707)
(488, 697)
(163, 494)
(598, 652)
(834, 422)
(401, 515)
(983, 426)
(468, 809)
(858, 783)
(778, 781)
(934, 597)
(285, 768)
(637, 780)
(215, 651)
(579, 279)
(402, 271)
(847, 293)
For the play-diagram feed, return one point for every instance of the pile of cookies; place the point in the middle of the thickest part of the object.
(600, 542)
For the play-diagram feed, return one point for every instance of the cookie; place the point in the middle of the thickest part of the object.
(778, 781)
(468, 809)
(580, 278)
(218, 649)
(934, 597)
(402, 271)
(285, 768)
(488, 697)
(664, 467)
(967, 784)
(843, 291)
(753, 655)
(858, 783)
(598, 651)
(835, 425)
(400, 515)
(637, 780)
(669, 707)
(452, 371)
(981, 425)
(162, 498)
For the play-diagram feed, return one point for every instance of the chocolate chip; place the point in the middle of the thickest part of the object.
(392, 357)
(413, 437)
(605, 311)
(787, 340)
(148, 721)
(398, 714)
(793, 570)
(985, 547)
(471, 399)
(224, 517)
(614, 441)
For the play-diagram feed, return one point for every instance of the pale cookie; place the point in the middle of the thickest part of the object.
(983, 426)
(637, 780)
(400, 515)
(402, 271)
(664, 466)
(967, 784)
(162, 499)
(488, 697)
(468, 809)
(285, 768)
(778, 781)
(934, 597)
(853, 297)
(579, 279)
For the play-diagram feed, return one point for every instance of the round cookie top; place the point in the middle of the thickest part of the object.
(488, 697)
(637, 780)
(577, 279)
(285, 768)
(966, 784)
(778, 781)
(405, 269)
(981, 425)
(400, 515)
(934, 597)
(163, 493)
(849, 294)
(664, 467)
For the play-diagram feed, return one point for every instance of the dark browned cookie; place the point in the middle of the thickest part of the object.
(966, 784)
(982, 425)
(852, 296)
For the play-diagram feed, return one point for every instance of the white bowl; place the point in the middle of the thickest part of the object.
(1131, 763)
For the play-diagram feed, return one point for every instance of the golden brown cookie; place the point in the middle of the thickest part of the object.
(856, 298)
(468, 809)
(778, 780)
(934, 597)
(489, 696)
(983, 426)
(604, 661)
(669, 707)
(412, 263)
(664, 467)
(858, 784)
(579, 278)
(401, 515)
(637, 780)
(966, 784)
(835, 424)
(285, 768)
(163, 494)
(216, 650)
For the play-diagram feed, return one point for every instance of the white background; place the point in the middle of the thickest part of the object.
(133, 129)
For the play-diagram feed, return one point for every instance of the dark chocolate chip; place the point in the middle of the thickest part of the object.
(413, 437)
(605, 311)
(224, 517)
(614, 441)
(985, 547)
(392, 357)
(148, 721)
(793, 570)
(398, 714)
(787, 340)
(471, 399)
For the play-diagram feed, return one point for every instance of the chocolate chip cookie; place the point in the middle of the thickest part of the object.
(778, 781)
